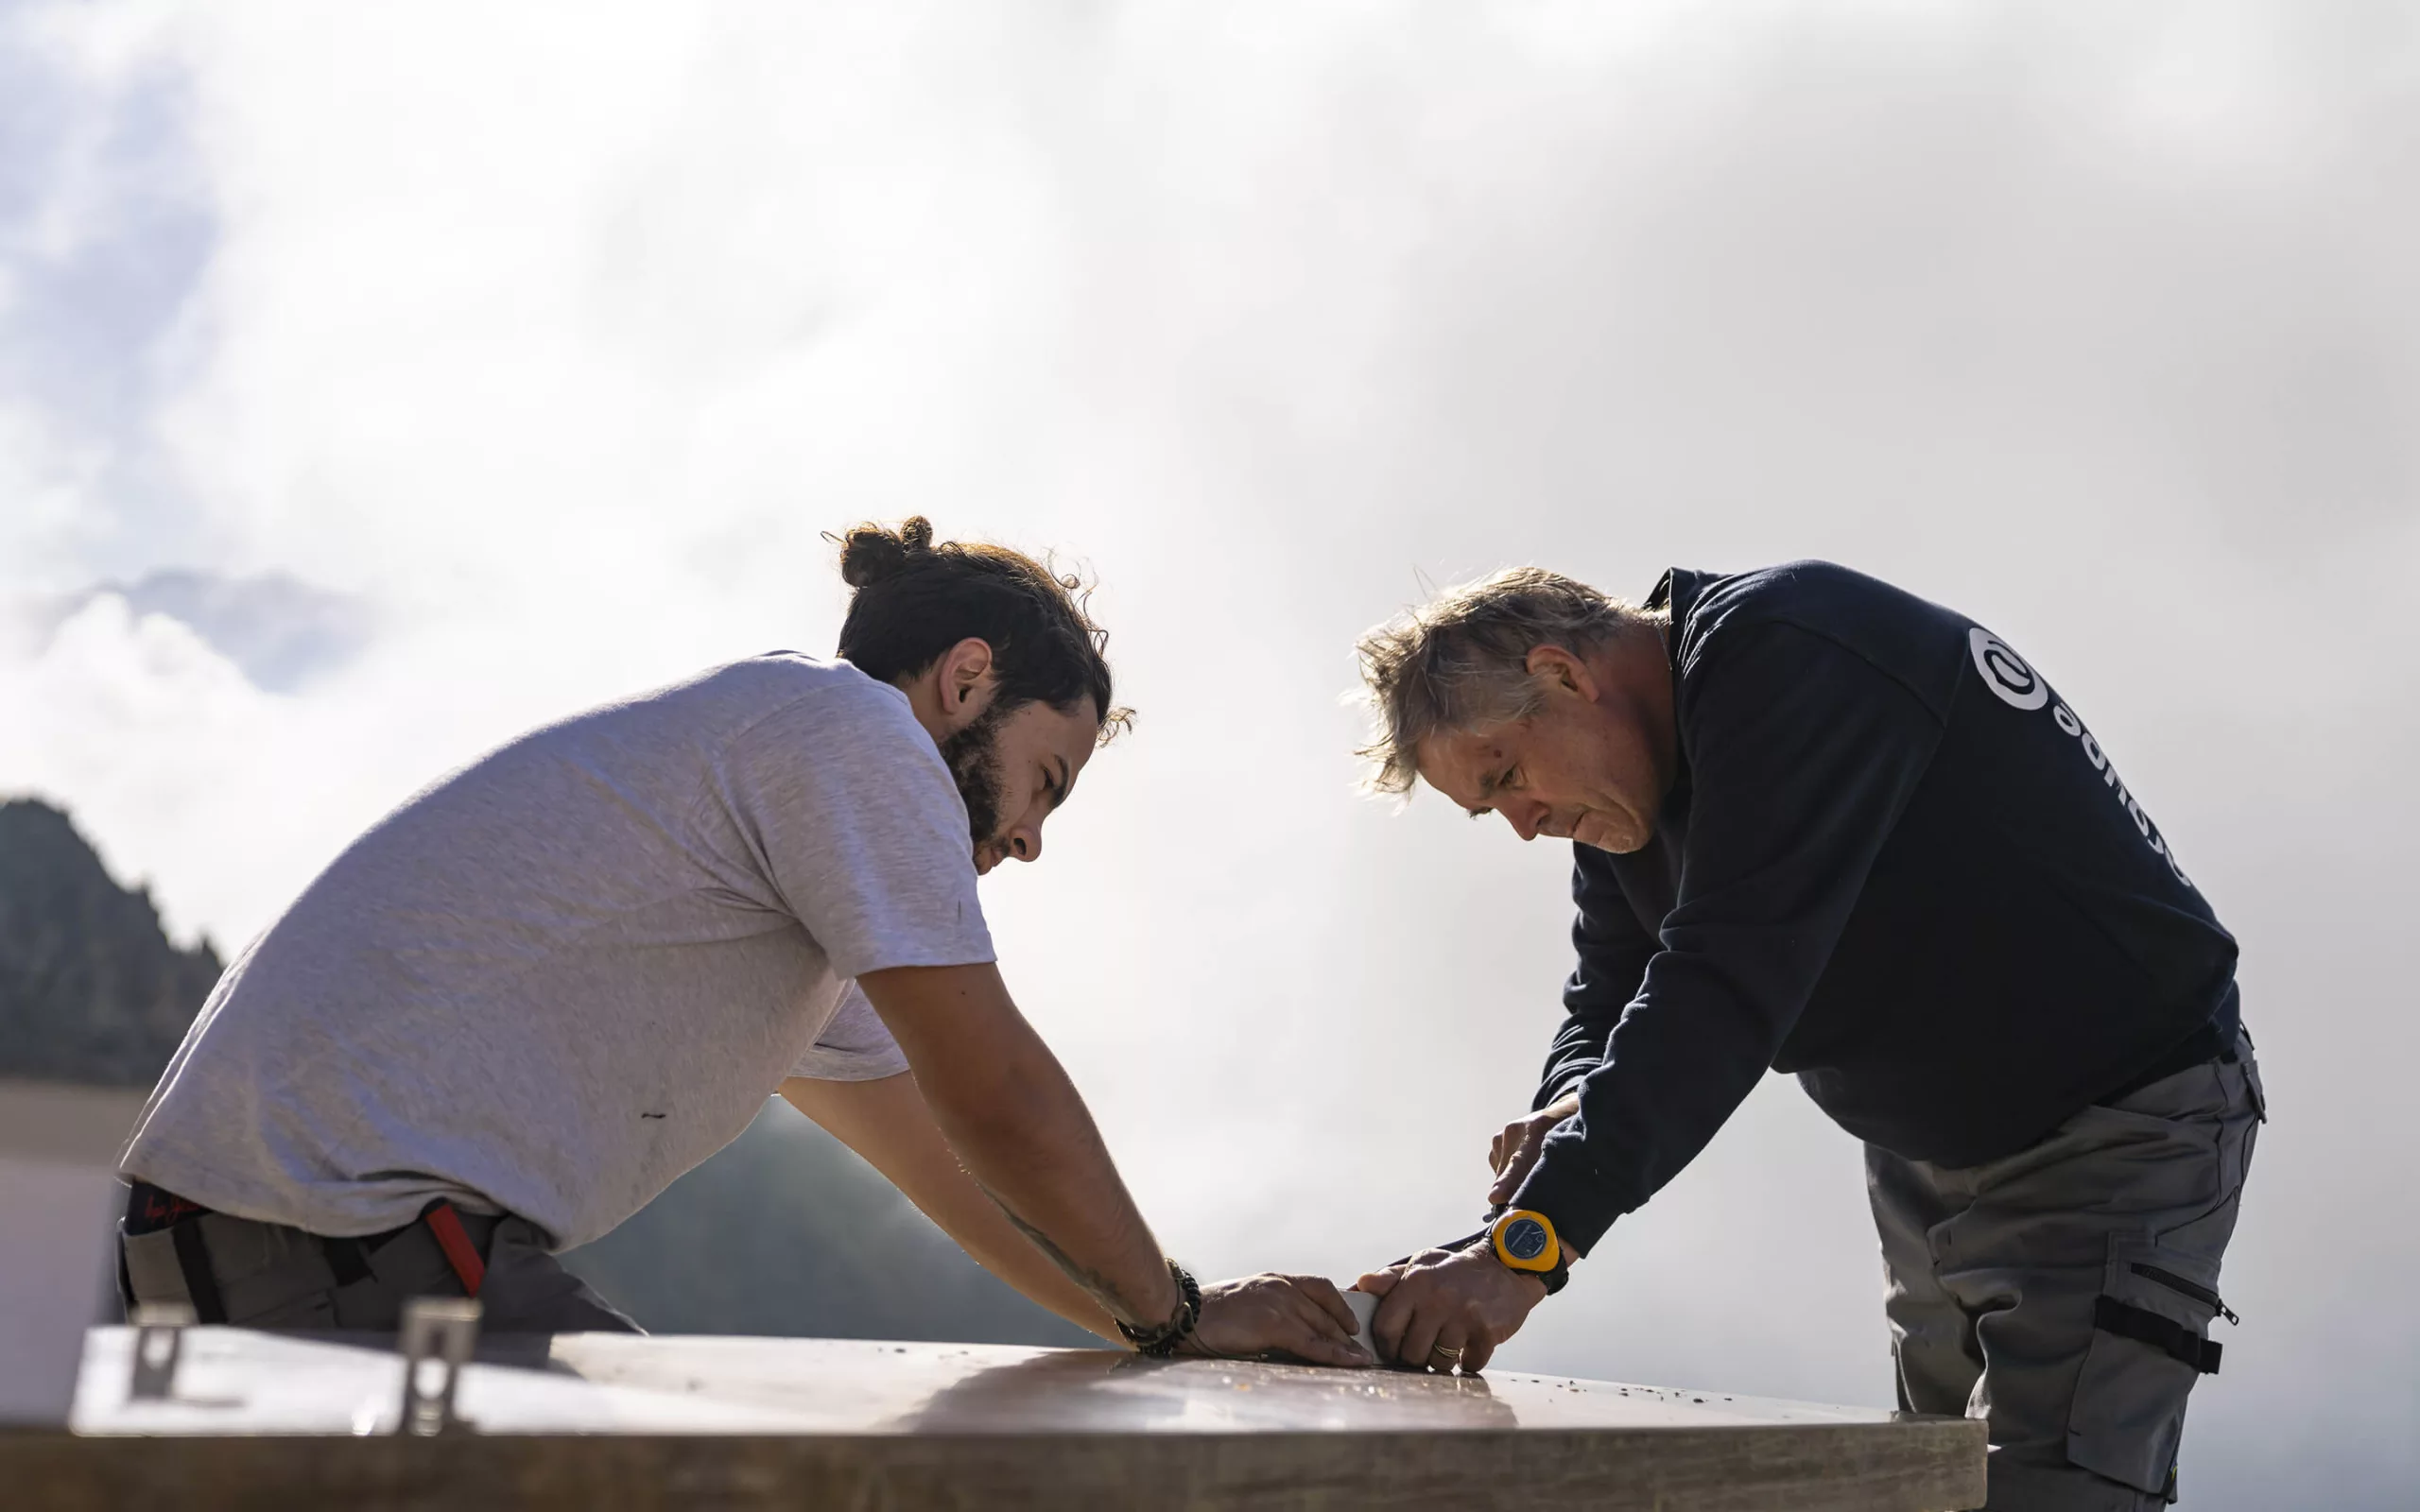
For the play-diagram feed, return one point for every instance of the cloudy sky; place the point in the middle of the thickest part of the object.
(488, 362)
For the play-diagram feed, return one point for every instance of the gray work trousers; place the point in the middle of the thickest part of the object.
(2064, 1294)
(273, 1277)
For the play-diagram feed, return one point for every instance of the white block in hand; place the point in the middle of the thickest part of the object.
(1364, 1307)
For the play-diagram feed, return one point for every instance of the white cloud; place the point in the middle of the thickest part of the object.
(45, 485)
(564, 345)
(140, 721)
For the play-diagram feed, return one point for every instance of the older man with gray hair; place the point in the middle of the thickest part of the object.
(1823, 826)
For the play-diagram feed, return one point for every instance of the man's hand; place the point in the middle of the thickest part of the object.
(1301, 1315)
(1512, 1153)
(1445, 1300)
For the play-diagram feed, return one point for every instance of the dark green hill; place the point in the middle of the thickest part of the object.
(91, 988)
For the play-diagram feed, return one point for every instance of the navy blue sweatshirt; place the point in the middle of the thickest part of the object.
(1894, 862)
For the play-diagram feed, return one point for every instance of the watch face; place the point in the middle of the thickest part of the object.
(1525, 1239)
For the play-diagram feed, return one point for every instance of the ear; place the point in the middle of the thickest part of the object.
(964, 668)
(1563, 669)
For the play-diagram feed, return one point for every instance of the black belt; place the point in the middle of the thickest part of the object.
(151, 1209)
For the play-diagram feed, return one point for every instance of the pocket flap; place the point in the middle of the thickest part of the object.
(2128, 1321)
(2150, 1344)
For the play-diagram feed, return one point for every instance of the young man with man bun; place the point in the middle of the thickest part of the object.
(1823, 826)
(518, 1006)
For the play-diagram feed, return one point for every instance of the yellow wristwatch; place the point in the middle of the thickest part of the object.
(1524, 1241)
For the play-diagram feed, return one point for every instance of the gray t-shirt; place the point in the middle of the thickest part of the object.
(562, 977)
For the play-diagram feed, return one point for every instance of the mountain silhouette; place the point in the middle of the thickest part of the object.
(283, 632)
(91, 988)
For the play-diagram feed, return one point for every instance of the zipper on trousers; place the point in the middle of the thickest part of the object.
(2192, 1289)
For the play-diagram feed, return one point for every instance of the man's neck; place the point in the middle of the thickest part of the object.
(1638, 667)
(924, 700)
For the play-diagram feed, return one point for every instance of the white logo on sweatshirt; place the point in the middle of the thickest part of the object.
(2005, 672)
(2020, 687)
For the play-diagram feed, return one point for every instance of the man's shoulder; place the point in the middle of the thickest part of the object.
(1812, 594)
(736, 695)
(1916, 643)
(791, 700)
(792, 674)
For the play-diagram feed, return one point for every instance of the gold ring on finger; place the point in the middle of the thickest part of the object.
(1449, 1356)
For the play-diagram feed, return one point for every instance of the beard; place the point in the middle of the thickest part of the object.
(973, 756)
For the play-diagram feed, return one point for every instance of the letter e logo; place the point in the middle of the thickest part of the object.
(2005, 673)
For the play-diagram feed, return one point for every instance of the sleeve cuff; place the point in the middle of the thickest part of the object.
(822, 1063)
(969, 948)
(1561, 1084)
(1580, 1204)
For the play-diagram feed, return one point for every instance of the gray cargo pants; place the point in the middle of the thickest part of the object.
(2064, 1294)
(268, 1276)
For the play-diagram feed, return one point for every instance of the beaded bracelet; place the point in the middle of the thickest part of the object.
(1163, 1340)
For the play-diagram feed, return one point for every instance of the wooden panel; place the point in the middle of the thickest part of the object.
(593, 1420)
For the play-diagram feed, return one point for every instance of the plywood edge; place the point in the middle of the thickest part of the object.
(1914, 1465)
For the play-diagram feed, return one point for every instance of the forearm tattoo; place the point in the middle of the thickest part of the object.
(1093, 1281)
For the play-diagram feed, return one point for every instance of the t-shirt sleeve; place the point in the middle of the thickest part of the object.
(855, 1046)
(846, 818)
(1802, 757)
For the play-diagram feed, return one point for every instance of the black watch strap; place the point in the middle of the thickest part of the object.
(1556, 1278)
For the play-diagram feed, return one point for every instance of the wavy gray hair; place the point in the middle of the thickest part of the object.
(1460, 661)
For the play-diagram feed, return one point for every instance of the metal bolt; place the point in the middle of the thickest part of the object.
(438, 1336)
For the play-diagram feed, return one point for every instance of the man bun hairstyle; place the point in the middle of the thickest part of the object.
(915, 597)
(1460, 661)
(869, 553)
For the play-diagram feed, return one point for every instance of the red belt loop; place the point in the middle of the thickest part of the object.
(445, 1225)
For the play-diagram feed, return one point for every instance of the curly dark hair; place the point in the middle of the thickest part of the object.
(916, 597)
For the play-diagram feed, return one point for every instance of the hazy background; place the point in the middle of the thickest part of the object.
(377, 383)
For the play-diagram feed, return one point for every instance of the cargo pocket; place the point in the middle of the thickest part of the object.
(2150, 1342)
